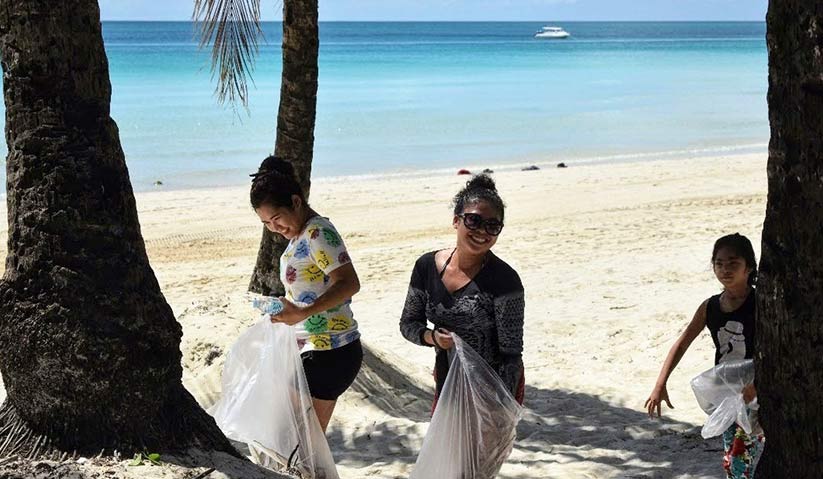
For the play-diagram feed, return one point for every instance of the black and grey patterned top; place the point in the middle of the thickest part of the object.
(487, 314)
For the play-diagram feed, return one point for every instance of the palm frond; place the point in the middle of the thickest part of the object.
(232, 27)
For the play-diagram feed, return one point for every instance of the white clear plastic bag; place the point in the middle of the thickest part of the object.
(719, 391)
(472, 430)
(266, 403)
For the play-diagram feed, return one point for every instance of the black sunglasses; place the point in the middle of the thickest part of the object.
(474, 221)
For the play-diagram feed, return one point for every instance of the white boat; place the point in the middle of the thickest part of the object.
(551, 32)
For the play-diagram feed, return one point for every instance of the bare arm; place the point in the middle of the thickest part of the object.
(344, 285)
(680, 346)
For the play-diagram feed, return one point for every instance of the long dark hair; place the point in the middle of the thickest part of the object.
(479, 188)
(274, 184)
(742, 247)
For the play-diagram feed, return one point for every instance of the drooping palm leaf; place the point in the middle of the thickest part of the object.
(232, 27)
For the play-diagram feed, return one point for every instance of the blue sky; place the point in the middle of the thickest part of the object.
(450, 10)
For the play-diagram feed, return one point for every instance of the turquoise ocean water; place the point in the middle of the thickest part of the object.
(398, 97)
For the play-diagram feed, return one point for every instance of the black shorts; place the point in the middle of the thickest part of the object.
(329, 373)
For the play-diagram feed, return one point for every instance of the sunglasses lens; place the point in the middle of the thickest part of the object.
(472, 220)
(494, 228)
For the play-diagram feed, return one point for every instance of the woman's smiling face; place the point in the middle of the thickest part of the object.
(476, 241)
(287, 222)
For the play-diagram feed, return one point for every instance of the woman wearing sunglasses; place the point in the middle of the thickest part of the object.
(468, 290)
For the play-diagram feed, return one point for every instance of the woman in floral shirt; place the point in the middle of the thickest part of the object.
(319, 279)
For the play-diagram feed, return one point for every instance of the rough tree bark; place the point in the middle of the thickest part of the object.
(790, 288)
(89, 348)
(295, 124)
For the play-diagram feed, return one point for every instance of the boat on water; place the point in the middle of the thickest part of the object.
(548, 32)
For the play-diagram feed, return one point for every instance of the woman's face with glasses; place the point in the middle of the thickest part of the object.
(478, 227)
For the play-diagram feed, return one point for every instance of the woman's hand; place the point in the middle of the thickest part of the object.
(291, 314)
(658, 395)
(442, 338)
(749, 393)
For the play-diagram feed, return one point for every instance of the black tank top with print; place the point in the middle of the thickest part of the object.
(733, 332)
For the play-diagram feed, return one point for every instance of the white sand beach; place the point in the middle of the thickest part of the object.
(614, 259)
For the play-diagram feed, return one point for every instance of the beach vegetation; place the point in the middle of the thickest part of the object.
(232, 27)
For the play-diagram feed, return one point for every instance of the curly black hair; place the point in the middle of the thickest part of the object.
(479, 188)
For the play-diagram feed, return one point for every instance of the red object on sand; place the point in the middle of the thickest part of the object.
(463, 171)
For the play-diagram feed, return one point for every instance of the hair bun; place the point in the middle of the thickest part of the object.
(275, 184)
(479, 188)
(481, 181)
(274, 165)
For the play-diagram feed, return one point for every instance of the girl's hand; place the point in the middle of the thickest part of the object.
(749, 393)
(658, 395)
(442, 338)
(291, 314)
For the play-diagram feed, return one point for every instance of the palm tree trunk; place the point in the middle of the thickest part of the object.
(295, 123)
(790, 288)
(89, 348)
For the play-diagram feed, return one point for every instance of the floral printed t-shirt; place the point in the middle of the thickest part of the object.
(304, 270)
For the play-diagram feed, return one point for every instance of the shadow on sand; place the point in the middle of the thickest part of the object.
(558, 427)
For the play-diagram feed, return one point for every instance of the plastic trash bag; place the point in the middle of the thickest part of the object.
(719, 391)
(266, 403)
(472, 430)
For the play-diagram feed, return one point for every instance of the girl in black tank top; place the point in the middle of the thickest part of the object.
(732, 331)
(730, 319)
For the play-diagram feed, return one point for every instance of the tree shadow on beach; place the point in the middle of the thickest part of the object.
(558, 427)
(390, 389)
(394, 438)
(568, 426)
(389, 443)
(203, 463)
